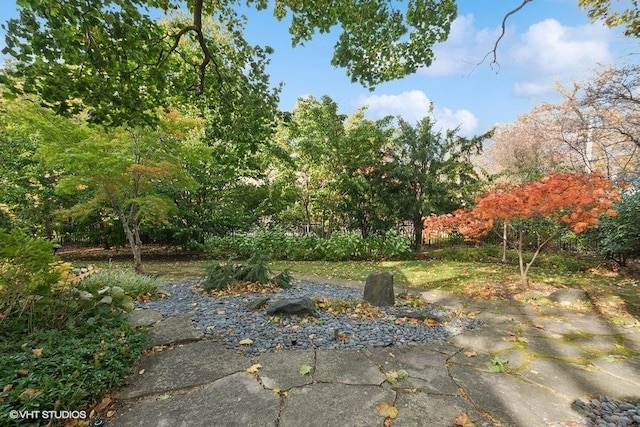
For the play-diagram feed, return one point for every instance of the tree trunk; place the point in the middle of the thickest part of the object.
(524, 280)
(504, 242)
(133, 237)
(418, 228)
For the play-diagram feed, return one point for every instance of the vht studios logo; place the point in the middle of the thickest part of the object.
(47, 415)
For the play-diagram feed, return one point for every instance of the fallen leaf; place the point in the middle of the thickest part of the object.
(22, 371)
(141, 371)
(111, 413)
(37, 352)
(386, 410)
(463, 420)
(7, 388)
(104, 404)
(305, 370)
(523, 339)
(253, 368)
(163, 397)
(430, 323)
(539, 326)
(470, 353)
(246, 341)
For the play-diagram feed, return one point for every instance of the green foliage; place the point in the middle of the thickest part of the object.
(220, 276)
(65, 369)
(498, 365)
(275, 244)
(619, 236)
(114, 59)
(223, 276)
(27, 274)
(114, 289)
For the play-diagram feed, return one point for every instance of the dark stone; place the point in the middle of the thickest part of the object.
(419, 314)
(256, 303)
(569, 296)
(292, 306)
(378, 289)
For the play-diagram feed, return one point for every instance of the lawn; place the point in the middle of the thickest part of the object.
(473, 271)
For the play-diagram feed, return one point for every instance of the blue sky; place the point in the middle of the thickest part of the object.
(548, 41)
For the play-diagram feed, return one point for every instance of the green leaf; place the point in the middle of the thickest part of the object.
(305, 370)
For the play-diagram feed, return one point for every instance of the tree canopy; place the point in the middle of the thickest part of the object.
(115, 57)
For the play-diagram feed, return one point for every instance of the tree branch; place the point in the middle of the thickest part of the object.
(504, 30)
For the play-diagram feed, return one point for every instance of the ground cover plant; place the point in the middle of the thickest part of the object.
(65, 338)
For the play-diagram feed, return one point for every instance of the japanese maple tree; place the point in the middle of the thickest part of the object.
(565, 200)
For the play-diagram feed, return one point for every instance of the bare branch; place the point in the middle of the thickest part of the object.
(504, 30)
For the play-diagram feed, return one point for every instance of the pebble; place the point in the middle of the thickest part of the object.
(226, 318)
(608, 412)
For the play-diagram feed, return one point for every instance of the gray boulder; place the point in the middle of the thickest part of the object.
(378, 289)
(292, 306)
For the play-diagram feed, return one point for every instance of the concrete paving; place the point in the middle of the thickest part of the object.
(546, 358)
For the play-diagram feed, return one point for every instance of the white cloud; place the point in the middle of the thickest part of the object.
(463, 50)
(414, 105)
(549, 51)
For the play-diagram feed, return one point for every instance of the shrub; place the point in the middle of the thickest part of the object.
(65, 369)
(223, 276)
(28, 274)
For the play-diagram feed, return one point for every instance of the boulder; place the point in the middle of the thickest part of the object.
(292, 306)
(256, 303)
(378, 289)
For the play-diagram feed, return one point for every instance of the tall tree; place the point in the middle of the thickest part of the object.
(115, 58)
(615, 16)
(434, 170)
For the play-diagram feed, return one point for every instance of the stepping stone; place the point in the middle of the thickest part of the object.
(175, 330)
(144, 317)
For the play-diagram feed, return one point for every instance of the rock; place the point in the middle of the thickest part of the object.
(292, 306)
(176, 329)
(256, 303)
(569, 296)
(420, 314)
(378, 289)
(144, 317)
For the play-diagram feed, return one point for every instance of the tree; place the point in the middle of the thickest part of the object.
(120, 172)
(116, 59)
(593, 128)
(619, 236)
(613, 16)
(433, 171)
(27, 184)
(562, 200)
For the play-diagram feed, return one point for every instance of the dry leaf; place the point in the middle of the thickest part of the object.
(7, 388)
(463, 420)
(104, 404)
(470, 353)
(430, 323)
(246, 341)
(141, 371)
(253, 369)
(111, 413)
(22, 371)
(539, 326)
(387, 410)
(37, 352)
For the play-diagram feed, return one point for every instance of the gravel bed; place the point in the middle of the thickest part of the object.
(225, 318)
(602, 411)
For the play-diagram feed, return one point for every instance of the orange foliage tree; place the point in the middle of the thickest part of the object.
(564, 200)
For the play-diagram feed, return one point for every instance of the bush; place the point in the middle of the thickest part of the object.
(619, 236)
(340, 246)
(28, 274)
(224, 276)
(65, 369)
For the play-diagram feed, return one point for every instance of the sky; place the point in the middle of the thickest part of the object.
(546, 43)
